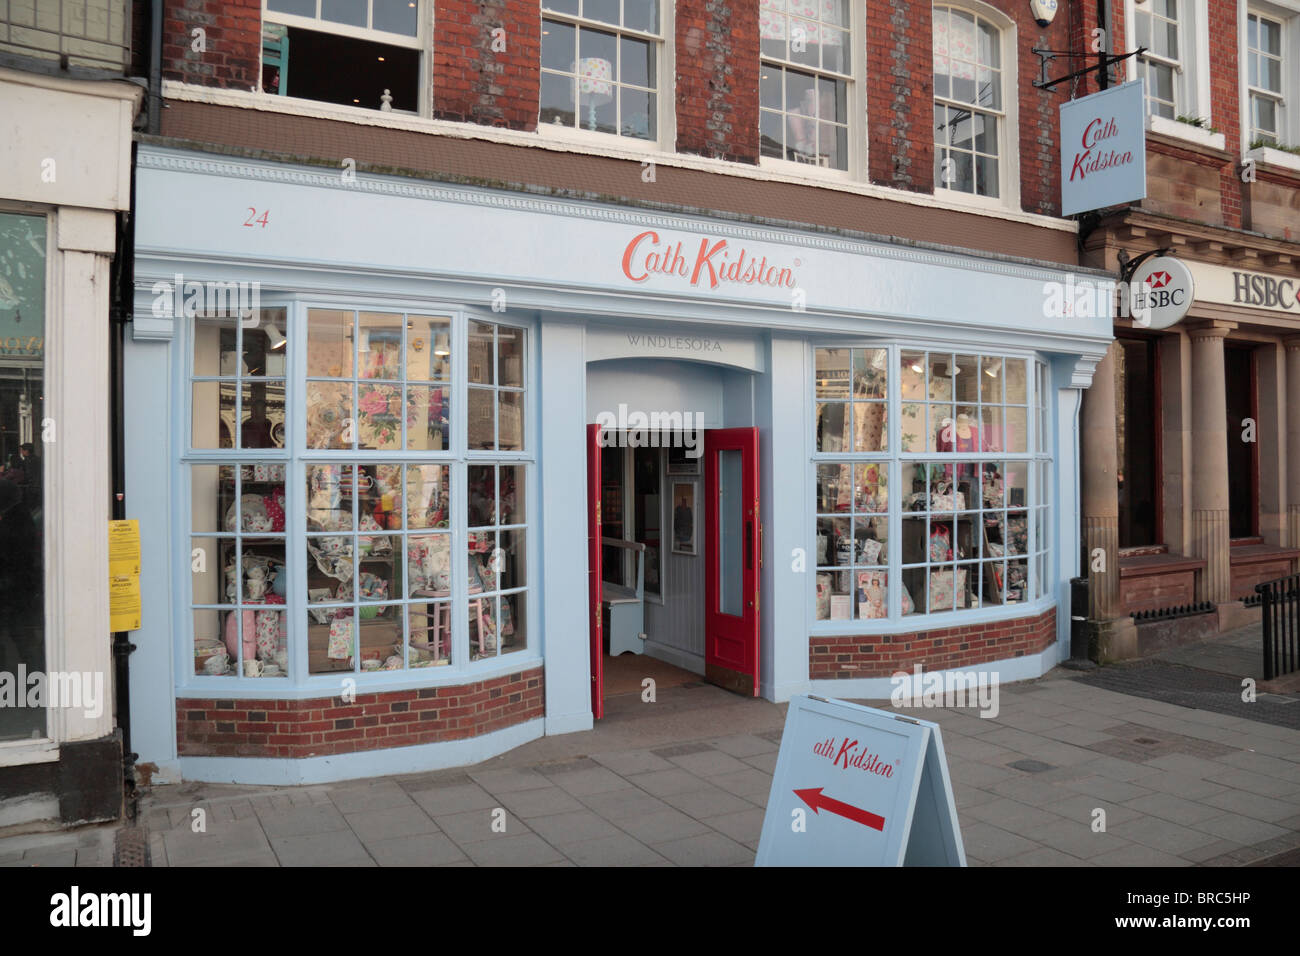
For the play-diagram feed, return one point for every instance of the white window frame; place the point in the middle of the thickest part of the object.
(421, 43)
(1039, 507)
(856, 167)
(665, 90)
(1288, 13)
(1191, 79)
(299, 683)
(1009, 127)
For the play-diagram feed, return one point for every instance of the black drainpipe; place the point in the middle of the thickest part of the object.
(120, 314)
(155, 67)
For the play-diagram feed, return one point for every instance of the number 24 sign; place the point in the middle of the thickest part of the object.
(254, 219)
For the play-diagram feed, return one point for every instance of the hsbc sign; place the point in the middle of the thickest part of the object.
(1271, 292)
(1160, 293)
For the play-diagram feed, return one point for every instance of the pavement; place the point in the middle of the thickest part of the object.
(1203, 780)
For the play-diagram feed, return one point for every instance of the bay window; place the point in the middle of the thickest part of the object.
(931, 476)
(359, 484)
(805, 79)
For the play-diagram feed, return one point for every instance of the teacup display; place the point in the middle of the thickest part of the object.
(272, 670)
(253, 668)
(371, 665)
(218, 663)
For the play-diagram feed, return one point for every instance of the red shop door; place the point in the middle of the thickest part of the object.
(733, 551)
(594, 573)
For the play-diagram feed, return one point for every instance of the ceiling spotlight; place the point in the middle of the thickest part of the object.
(441, 348)
(274, 337)
(992, 368)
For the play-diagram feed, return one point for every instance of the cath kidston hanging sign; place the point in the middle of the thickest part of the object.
(1103, 149)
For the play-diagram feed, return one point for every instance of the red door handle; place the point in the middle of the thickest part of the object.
(749, 545)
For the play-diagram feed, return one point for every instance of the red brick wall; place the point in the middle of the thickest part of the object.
(1225, 109)
(900, 92)
(717, 79)
(233, 42)
(832, 658)
(308, 728)
(476, 84)
(1225, 102)
(900, 95)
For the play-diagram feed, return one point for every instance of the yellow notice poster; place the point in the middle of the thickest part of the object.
(124, 575)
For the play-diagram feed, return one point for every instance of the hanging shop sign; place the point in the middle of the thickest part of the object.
(855, 786)
(1103, 149)
(1255, 290)
(1160, 293)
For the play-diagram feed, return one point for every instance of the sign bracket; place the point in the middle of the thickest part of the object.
(1106, 60)
(1129, 266)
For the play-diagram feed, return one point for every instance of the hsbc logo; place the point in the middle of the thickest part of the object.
(1160, 293)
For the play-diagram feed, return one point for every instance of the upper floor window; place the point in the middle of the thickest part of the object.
(1264, 73)
(351, 52)
(600, 66)
(805, 74)
(1157, 27)
(969, 113)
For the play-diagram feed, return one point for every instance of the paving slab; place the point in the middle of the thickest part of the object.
(321, 849)
(420, 849)
(373, 826)
(662, 826)
(707, 803)
(444, 801)
(527, 849)
(620, 849)
(539, 802)
(709, 849)
(577, 826)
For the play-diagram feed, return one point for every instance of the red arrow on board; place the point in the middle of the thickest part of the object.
(815, 799)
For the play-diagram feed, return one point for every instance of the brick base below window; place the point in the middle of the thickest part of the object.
(831, 658)
(311, 728)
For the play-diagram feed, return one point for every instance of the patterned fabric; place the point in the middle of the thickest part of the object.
(774, 18)
(340, 645)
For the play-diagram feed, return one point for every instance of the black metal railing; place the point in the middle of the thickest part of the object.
(1281, 603)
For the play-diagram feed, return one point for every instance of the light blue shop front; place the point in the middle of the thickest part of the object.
(374, 479)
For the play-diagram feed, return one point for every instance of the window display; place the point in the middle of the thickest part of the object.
(964, 530)
(370, 480)
(22, 450)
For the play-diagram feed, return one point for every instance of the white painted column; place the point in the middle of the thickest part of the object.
(150, 420)
(1064, 415)
(77, 466)
(785, 419)
(562, 467)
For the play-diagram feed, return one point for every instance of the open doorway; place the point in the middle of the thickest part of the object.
(673, 551)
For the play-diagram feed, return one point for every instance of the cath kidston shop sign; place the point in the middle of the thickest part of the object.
(1103, 149)
(855, 786)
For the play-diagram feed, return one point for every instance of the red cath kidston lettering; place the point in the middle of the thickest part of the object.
(1087, 161)
(849, 755)
(714, 263)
